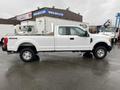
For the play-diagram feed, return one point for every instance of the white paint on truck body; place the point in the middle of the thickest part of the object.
(57, 42)
(42, 43)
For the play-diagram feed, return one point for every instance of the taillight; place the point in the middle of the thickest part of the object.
(5, 41)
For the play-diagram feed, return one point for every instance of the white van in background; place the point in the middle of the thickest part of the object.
(6, 29)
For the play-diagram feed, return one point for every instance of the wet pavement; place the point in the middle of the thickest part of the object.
(60, 71)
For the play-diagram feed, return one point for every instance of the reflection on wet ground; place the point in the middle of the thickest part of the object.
(60, 71)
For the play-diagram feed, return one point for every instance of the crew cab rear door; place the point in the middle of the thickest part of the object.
(71, 38)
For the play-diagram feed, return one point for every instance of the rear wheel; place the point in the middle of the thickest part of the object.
(27, 55)
(100, 52)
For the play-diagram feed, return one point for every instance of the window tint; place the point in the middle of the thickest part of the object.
(77, 31)
(71, 31)
(64, 30)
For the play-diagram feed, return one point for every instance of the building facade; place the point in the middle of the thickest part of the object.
(49, 12)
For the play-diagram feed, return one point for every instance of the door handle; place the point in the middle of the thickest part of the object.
(71, 38)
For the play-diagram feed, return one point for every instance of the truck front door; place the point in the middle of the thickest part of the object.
(71, 38)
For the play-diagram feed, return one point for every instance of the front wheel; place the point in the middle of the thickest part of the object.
(100, 52)
(27, 55)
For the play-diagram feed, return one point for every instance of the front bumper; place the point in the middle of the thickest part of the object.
(114, 40)
(109, 48)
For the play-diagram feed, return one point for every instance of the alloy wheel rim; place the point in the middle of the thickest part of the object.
(100, 53)
(27, 55)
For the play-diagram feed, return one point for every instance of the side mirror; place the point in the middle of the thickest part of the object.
(86, 34)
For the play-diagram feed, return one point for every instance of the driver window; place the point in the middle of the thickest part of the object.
(77, 31)
(71, 31)
(64, 30)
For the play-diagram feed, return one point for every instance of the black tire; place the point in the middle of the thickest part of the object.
(100, 52)
(27, 55)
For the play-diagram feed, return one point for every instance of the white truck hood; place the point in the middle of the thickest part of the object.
(101, 38)
(111, 34)
(100, 35)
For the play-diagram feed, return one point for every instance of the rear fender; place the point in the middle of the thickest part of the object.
(26, 42)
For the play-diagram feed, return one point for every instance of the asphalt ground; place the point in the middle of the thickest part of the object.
(60, 71)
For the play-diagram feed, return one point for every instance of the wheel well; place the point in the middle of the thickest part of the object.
(101, 44)
(27, 45)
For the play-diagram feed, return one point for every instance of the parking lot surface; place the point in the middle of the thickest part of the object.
(60, 71)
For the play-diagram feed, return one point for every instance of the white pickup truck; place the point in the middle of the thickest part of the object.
(64, 38)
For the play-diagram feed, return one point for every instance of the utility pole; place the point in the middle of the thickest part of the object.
(117, 23)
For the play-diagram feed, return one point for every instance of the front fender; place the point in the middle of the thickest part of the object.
(107, 42)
